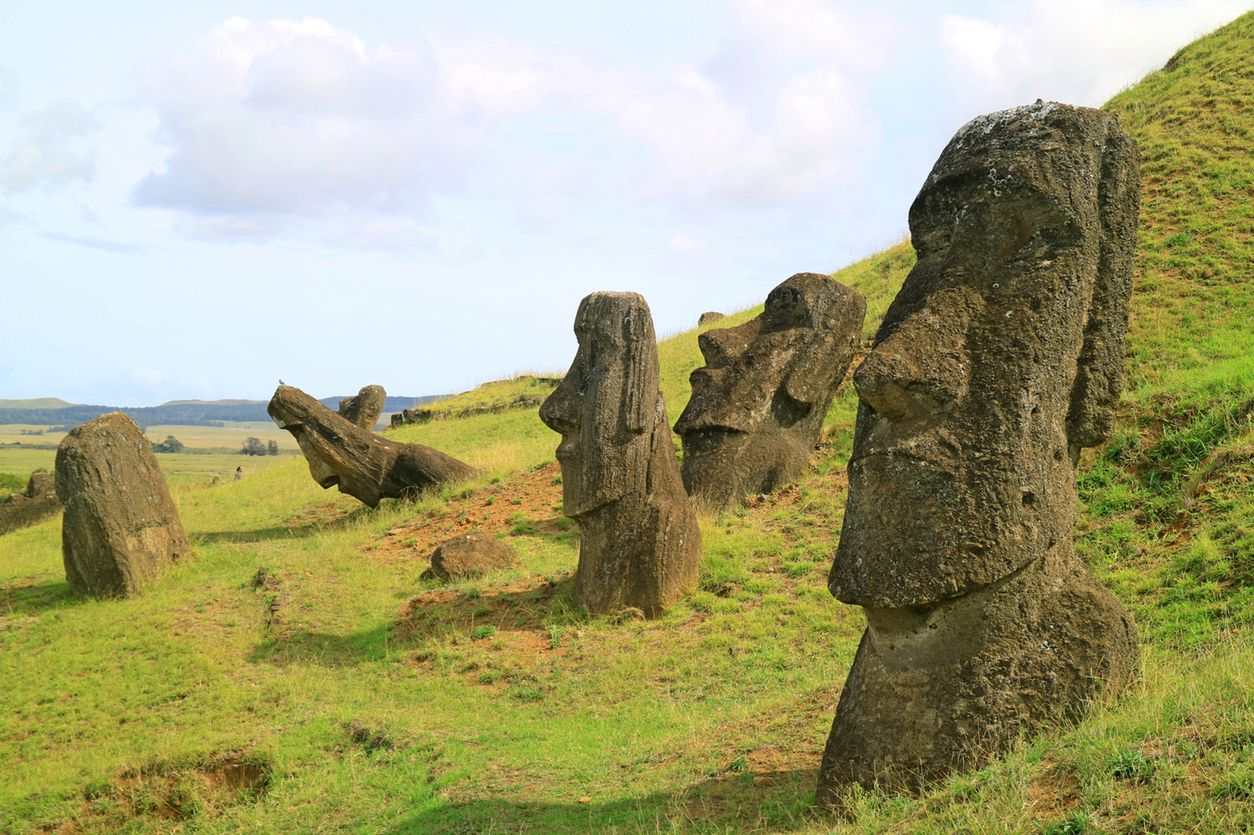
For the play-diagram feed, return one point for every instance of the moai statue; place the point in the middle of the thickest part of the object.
(120, 527)
(365, 408)
(364, 465)
(620, 481)
(758, 403)
(37, 502)
(999, 359)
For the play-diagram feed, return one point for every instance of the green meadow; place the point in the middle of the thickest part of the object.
(296, 674)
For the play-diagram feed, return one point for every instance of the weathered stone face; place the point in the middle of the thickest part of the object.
(37, 502)
(758, 404)
(620, 480)
(364, 409)
(120, 526)
(362, 464)
(999, 359)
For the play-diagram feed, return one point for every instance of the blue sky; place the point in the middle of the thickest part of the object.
(199, 198)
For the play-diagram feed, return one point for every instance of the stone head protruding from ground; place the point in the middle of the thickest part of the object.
(120, 528)
(758, 404)
(999, 359)
(365, 407)
(620, 479)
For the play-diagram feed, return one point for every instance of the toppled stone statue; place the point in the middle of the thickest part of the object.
(468, 555)
(362, 464)
(365, 408)
(620, 481)
(758, 404)
(37, 502)
(709, 317)
(999, 359)
(120, 527)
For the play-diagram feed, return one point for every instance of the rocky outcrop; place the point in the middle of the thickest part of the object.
(364, 409)
(362, 464)
(620, 480)
(120, 527)
(468, 555)
(758, 404)
(999, 359)
(36, 503)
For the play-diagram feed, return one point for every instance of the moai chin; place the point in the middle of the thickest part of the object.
(620, 481)
(758, 403)
(998, 361)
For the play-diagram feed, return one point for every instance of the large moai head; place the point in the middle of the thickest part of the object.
(606, 406)
(758, 403)
(999, 359)
(639, 545)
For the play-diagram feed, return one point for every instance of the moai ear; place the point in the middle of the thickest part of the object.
(1099, 376)
(811, 375)
(640, 374)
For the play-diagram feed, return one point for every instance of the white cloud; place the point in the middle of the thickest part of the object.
(50, 149)
(1079, 51)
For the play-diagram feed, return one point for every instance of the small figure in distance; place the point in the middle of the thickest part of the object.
(239, 473)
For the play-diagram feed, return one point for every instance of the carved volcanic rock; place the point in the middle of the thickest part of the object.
(469, 555)
(39, 501)
(620, 481)
(999, 359)
(365, 408)
(120, 527)
(362, 464)
(758, 403)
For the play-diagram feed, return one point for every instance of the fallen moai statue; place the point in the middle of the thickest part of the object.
(120, 527)
(364, 409)
(999, 359)
(362, 464)
(620, 481)
(758, 404)
(37, 502)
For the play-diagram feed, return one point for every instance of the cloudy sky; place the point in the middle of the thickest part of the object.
(197, 198)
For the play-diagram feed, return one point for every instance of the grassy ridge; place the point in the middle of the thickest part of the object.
(364, 699)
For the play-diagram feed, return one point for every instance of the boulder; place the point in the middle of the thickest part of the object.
(37, 502)
(469, 555)
(620, 481)
(709, 317)
(362, 464)
(1000, 358)
(120, 527)
(758, 403)
(365, 408)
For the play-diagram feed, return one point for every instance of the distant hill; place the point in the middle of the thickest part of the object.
(35, 403)
(177, 412)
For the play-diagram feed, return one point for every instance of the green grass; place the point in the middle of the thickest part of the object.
(300, 641)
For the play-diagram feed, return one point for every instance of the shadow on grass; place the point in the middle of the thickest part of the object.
(33, 598)
(324, 649)
(285, 532)
(765, 801)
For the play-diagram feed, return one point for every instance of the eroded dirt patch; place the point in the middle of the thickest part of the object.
(175, 791)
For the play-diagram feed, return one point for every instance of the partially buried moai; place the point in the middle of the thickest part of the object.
(620, 481)
(998, 361)
(120, 527)
(758, 403)
(364, 408)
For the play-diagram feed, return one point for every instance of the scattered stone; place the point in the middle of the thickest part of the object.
(468, 555)
(362, 464)
(640, 544)
(120, 527)
(758, 404)
(709, 317)
(365, 408)
(999, 359)
(37, 502)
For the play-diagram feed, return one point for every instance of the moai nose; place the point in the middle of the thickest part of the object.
(911, 375)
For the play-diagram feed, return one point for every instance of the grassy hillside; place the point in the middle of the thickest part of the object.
(297, 675)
